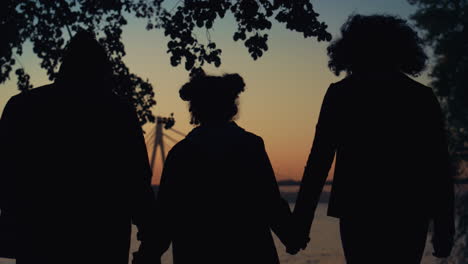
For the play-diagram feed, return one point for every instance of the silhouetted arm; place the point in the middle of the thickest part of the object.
(152, 252)
(165, 203)
(10, 144)
(144, 199)
(444, 227)
(6, 131)
(9, 155)
(4, 172)
(317, 167)
(143, 207)
(277, 209)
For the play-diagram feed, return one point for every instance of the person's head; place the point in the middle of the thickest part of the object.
(84, 61)
(212, 99)
(377, 42)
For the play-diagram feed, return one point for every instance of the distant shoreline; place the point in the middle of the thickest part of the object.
(294, 182)
(280, 183)
(289, 196)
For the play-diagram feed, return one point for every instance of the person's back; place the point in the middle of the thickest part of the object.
(79, 172)
(217, 187)
(385, 128)
(218, 199)
(69, 151)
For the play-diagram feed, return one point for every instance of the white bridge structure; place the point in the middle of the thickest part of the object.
(157, 136)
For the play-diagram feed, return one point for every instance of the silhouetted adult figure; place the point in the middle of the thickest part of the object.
(218, 198)
(387, 133)
(77, 165)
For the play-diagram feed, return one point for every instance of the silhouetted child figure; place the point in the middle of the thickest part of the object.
(387, 133)
(218, 198)
(77, 167)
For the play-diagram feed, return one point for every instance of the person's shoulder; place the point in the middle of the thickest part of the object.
(351, 80)
(343, 82)
(180, 148)
(180, 145)
(43, 90)
(419, 89)
(341, 85)
(252, 139)
(32, 95)
(252, 136)
(412, 82)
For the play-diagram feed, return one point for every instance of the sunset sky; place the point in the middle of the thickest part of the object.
(284, 88)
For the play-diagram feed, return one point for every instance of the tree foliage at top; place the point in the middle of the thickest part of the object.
(253, 18)
(445, 24)
(48, 25)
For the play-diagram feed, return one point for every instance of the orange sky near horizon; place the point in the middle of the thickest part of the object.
(284, 88)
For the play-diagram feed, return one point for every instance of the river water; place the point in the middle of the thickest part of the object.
(324, 248)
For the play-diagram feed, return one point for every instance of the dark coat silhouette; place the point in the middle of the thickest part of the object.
(77, 173)
(218, 199)
(7, 221)
(392, 164)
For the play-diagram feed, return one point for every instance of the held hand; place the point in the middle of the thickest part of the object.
(297, 240)
(298, 236)
(145, 255)
(139, 258)
(292, 251)
(296, 245)
(443, 245)
(443, 236)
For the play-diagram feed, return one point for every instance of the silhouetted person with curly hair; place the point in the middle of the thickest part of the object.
(386, 131)
(76, 165)
(204, 207)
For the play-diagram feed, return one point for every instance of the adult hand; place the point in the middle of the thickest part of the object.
(296, 244)
(298, 236)
(443, 244)
(139, 258)
(145, 255)
(443, 236)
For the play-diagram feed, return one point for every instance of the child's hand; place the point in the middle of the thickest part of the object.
(139, 258)
(442, 245)
(297, 243)
(145, 255)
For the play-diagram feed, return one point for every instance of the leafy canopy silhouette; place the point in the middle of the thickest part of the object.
(445, 27)
(445, 24)
(48, 25)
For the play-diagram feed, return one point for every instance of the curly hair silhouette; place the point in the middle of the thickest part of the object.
(377, 42)
(212, 99)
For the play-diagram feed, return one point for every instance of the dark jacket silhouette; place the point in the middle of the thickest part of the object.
(218, 199)
(77, 173)
(392, 166)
